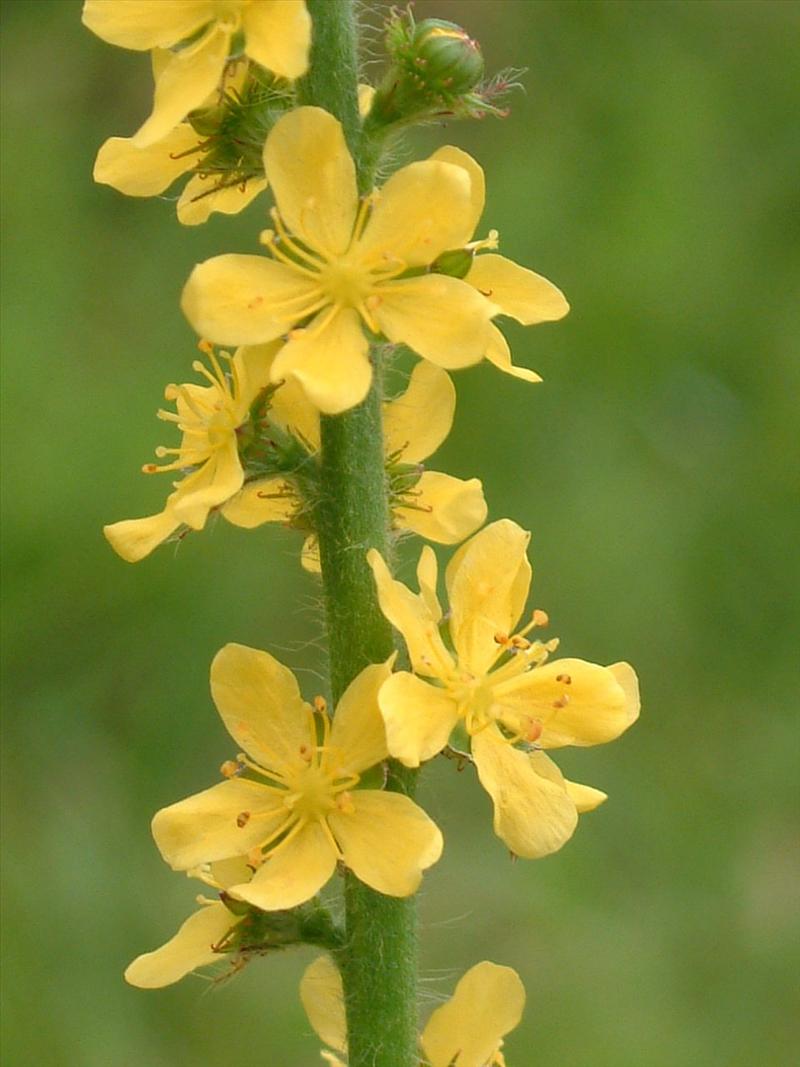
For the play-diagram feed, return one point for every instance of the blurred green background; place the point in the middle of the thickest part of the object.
(651, 170)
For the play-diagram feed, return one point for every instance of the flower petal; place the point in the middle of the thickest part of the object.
(203, 195)
(417, 422)
(412, 616)
(292, 410)
(313, 178)
(585, 797)
(145, 24)
(533, 814)
(578, 703)
(387, 841)
(145, 171)
(446, 509)
(243, 300)
(293, 874)
(272, 499)
(442, 319)
(527, 297)
(215, 482)
(451, 154)
(184, 83)
(189, 949)
(468, 1030)
(428, 577)
(133, 539)
(277, 35)
(252, 368)
(309, 555)
(419, 718)
(487, 582)
(331, 363)
(498, 352)
(260, 703)
(358, 735)
(204, 827)
(322, 996)
(421, 211)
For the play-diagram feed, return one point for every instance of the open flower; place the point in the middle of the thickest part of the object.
(499, 687)
(339, 265)
(466, 1031)
(277, 35)
(227, 169)
(291, 801)
(214, 421)
(434, 505)
(201, 940)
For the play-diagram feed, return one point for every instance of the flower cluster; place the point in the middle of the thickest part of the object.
(352, 274)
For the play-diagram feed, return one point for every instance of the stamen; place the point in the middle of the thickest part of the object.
(230, 769)
(344, 802)
(267, 238)
(562, 701)
(284, 237)
(320, 705)
(565, 678)
(242, 819)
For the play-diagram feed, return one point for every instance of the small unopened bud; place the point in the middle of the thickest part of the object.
(455, 264)
(448, 59)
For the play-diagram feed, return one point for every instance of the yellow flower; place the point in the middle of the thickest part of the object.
(277, 35)
(498, 685)
(291, 801)
(150, 170)
(434, 505)
(213, 420)
(340, 265)
(201, 940)
(466, 1031)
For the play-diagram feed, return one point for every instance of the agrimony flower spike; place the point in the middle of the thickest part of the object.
(291, 800)
(499, 686)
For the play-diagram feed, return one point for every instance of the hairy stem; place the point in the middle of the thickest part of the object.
(378, 961)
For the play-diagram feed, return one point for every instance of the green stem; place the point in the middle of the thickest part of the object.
(379, 959)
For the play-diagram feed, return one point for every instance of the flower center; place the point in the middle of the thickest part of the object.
(345, 283)
(311, 794)
(206, 416)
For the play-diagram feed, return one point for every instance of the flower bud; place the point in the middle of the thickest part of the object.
(446, 57)
(456, 263)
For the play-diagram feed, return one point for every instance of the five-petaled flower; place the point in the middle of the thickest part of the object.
(291, 802)
(212, 419)
(340, 264)
(277, 35)
(465, 1031)
(498, 685)
(437, 506)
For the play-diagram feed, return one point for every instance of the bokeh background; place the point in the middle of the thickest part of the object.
(650, 169)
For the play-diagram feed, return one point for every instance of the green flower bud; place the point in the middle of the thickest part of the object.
(456, 264)
(447, 59)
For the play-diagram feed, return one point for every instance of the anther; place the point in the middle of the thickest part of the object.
(242, 819)
(320, 704)
(517, 641)
(534, 732)
(562, 701)
(344, 802)
(230, 768)
(501, 639)
(149, 468)
(565, 678)
(255, 857)
(305, 753)
(205, 346)
(540, 618)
